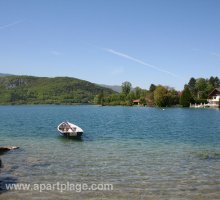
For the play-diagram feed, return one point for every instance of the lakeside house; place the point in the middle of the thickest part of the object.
(136, 102)
(213, 100)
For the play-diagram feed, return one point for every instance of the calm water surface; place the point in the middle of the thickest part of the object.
(146, 153)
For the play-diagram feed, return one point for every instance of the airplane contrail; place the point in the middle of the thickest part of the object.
(123, 55)
(10, 24)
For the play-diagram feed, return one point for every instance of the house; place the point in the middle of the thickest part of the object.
(136, 102)
(214, 98)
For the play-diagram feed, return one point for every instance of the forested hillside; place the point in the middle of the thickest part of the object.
(43, 90)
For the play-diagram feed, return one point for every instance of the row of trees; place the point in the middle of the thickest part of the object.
(196, 91)
(126, 97)
(156, 95)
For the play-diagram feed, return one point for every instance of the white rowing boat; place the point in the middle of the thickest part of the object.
(70, 130)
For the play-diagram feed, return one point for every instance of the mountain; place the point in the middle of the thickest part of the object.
(116, 88)
(44, 90)
(1, 74)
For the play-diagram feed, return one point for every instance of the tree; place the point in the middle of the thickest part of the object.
(209, 88)
(217, 82)
(149, 96)
(126, 87)
(99, 99)
(160, 98)
(214, 81)
(138, 92)
(143, 101)
(192, 84)
(186, 97)
(152, 87)
(165, 96)
(201, 86)
(173, 97)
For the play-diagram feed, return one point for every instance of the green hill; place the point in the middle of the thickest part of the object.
(43, 90)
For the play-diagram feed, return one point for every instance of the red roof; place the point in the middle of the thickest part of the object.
(136, 101)
(214, 92)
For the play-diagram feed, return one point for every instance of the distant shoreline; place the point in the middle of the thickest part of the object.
(57, 104)
(81, 104)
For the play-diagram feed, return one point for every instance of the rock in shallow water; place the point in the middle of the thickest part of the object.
(4, 149)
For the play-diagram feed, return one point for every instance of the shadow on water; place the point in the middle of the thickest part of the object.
(6, 179)
(2, 152)
(69, 139)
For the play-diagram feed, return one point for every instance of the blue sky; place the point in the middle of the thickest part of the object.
(143, 41)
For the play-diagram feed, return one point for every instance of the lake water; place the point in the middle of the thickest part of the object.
(146, 153)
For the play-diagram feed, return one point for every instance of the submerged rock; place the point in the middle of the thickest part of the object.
(208, 155)
(0, 163)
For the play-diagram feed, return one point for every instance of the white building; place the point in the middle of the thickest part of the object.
(214, 98)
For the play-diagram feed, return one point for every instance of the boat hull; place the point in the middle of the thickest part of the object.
(72, 135)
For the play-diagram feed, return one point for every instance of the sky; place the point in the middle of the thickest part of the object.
(108, 42)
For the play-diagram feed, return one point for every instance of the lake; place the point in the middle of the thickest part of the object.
(145, 153)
